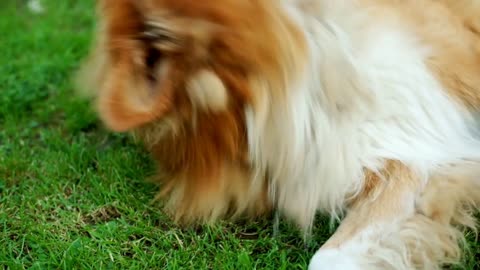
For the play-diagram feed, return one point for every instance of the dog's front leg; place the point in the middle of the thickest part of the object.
(361, 241)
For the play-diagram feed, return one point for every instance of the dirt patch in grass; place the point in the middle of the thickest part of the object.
(102, 215)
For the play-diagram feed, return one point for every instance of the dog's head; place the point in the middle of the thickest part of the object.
(200, 64)
(165, 55)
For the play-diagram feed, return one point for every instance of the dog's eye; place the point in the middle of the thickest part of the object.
(160, 37)
(155, 31)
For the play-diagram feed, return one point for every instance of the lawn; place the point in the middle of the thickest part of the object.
(74, 196)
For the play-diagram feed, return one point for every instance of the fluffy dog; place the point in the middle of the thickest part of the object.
(361, 109)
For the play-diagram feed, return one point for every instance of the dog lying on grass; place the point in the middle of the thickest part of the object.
(361, 109)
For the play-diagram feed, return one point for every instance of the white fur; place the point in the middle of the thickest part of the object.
(207, 91)
(333, 260)
(366, 96)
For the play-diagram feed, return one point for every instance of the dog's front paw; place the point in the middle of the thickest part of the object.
(333, 259)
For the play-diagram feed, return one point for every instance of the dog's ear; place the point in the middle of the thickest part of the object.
(138, 85)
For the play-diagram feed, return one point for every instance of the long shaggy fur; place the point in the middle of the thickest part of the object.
(361, 109)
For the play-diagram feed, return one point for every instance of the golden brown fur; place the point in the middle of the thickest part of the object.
(467, 11)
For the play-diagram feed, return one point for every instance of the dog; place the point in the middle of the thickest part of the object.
(360, 109)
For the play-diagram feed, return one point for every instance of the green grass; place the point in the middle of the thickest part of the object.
(74, 196)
